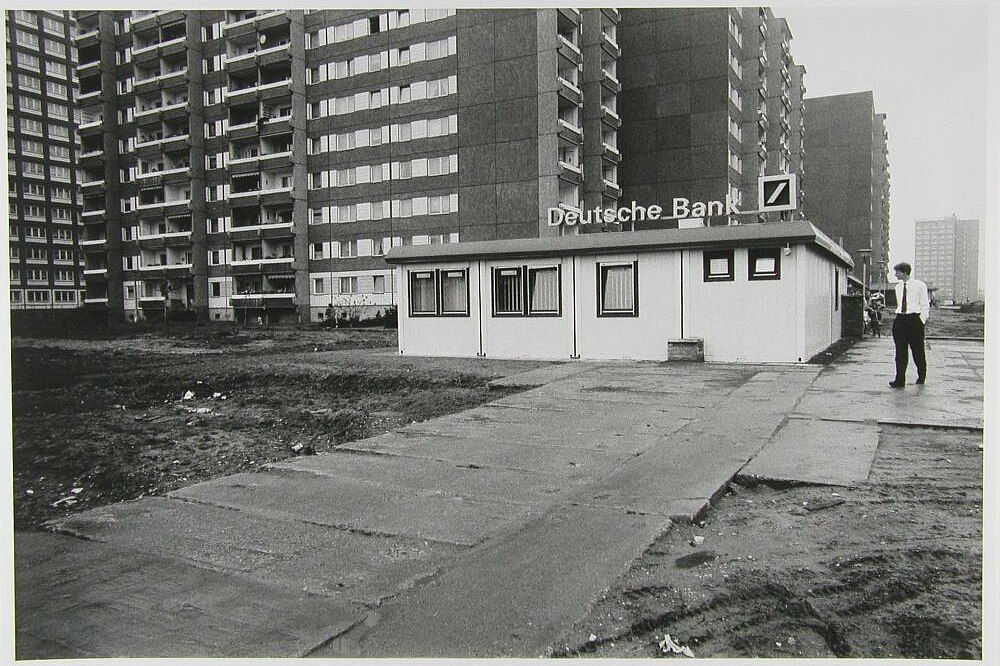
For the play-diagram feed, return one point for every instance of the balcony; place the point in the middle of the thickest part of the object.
(568, 49)
(256, 230)
(156, 46)
(166, 235)
(610, 81)
(569, 90)
(570, 131)
(610, 45)
(95, 272)
(92, 184)
(95, 300)
(610, 117)
(271, 261)
(610, 153)
(93, 242)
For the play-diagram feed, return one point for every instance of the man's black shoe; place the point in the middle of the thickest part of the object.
(895, 384)
(920, 380)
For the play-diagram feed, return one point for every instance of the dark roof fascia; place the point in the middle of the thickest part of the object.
(755, 235)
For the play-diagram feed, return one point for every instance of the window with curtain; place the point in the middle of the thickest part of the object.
(617, 297)
(543, 290)
(423, 294)
(507, 292)
(454, 292)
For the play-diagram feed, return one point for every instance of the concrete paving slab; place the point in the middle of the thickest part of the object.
(419, 473)
(834, 453)
(498, 452)
(94, 599)
(541, 376)
(279, 552)
(551, 571)
(679, 477)
(430, 513)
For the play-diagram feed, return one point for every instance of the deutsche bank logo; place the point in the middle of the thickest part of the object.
(777, 193)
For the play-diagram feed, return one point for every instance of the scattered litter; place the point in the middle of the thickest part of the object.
(77, 491)
(297, 447)
(68, 501)
(822, 504)
(592, 638)
(203, 410)
(668, 645)
(175, 462)
(222, 398)
(835, 494)
(697, 540)
(29, 491)
(188, 395)
(216, 395)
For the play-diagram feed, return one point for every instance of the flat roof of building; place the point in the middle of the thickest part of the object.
(744, 235)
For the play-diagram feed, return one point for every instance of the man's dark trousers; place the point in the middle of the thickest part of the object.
(908, 334)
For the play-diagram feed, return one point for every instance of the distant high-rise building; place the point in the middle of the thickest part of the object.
(709, 103)
(847, 191)
(946, 257)
(45, 266)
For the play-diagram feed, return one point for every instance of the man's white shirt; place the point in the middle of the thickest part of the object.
(917, 300)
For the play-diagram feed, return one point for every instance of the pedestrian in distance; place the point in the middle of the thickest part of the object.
(912, 310)
(874, 312)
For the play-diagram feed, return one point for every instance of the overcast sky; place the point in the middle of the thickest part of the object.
(926, 66)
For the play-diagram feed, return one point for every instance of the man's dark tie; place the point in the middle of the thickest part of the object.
(904, 298)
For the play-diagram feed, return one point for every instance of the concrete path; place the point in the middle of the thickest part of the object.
(484, 533)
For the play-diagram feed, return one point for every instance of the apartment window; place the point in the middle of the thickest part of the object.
(317, 252)
(507, 292)
(347, 213)
(348, 249)
(404, 56)
(27, 39)
(28, 61)
(349, 285)
(58, 152)
(30, 169)
(319, 286)
(53, 47)
(15, 296)
(617, 290)
(52, 25)
(29, 82)
(378, 284)
(764, 264)
(404, 94)
(65, 296)
(438, 88)
(34, 190)
(439, 205)
(718, 266)
(55, 89)
(59, 132)
(437, 49)
(36, 296)
(58, 110)
(62, 235)
(62, 255)
(31, 104)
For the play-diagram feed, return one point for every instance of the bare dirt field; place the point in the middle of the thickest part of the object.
(97, 421)
(891, 568)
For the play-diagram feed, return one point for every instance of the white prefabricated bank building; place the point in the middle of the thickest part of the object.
(746, 293)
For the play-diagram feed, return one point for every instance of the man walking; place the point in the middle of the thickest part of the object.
(912, 310)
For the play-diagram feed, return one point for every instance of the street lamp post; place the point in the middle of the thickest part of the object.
(865, 259)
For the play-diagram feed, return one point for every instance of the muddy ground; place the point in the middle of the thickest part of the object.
(100, 421)
(891, 568)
